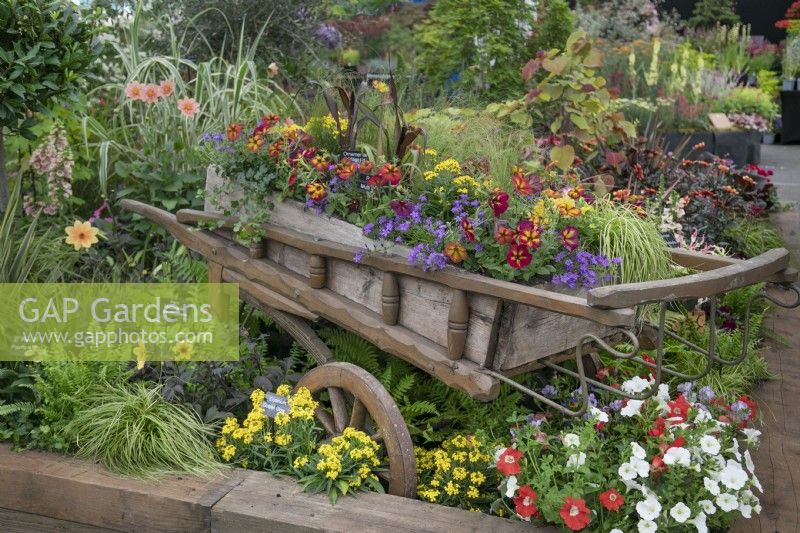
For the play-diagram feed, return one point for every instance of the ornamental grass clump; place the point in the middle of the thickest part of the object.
(133, 431)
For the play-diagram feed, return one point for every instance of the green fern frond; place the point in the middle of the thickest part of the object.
(21, 408)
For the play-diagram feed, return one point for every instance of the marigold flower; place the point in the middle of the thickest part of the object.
(455, 251)
(134, 90)
(529, 234)
(524, 502)
(345, 168)
(498, 201)
(167, 87)
(254, 143)
(611, 499)
(570, 238)
(575, 514)
(518, 256)
(188, 107)
(81, 235)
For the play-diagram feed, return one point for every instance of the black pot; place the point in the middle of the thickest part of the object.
(734, 145)
(675, 139)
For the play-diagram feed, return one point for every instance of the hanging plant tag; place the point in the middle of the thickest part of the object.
(358, 158)
(274, 404)
(669, 238)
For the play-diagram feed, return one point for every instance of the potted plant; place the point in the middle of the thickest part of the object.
(791, 63)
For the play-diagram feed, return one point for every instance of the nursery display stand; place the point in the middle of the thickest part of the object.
(469, 331)
(790, 116)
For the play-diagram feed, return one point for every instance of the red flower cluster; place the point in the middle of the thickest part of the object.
(388, 174)
(524, 502)
(575, 514)
(508, 462)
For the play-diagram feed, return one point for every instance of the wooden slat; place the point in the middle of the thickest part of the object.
(18, 522)
(267, 296)
(265, 503)
(450, 276)
(397, 340)
(69, 489)
(699, 285)
(699, 261)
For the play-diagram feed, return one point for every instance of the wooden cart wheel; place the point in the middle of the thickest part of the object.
(357, 399)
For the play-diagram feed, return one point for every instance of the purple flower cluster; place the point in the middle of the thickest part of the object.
(460, 206)
(584, 269)
(328, 35)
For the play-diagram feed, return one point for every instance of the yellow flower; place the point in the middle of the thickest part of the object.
(380, 86)
(244, 463)
(257, 397)
(230, 425)
(449, 165)
(429, 175)
(239, 433)
(283, 439)
(459, 473)
(140, 352)
(472, 493)
(229, 452)
(282, 419)
(451, 488)
(267, 437)
(248, 438)
(81, 235)
(301, 461)
(435, 482)
(183, 350)
(284, 390)
(477, 478)
(221, 443)
(431, 151)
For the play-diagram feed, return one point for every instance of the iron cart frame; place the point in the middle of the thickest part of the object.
(294, 297)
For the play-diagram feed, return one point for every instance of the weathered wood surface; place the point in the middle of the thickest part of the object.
(69, 489)
(700, 285)
(264, 503)
(397, 340)
(52, 492)
(703, 262)
(777, 460)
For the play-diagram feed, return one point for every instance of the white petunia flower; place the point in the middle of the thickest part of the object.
(615, 530)
(735, 450)
(647, 526)
(576, 460)
(709, 444)
(711, 486)
(733, 475)
(641, 466)
(757, 508)
(663, 392)
(649, 509)
(702, 416)
(707, 506)
(699, 522)
(746, 510)
(677, 456)
(680, 512)
(757, 484)
(638, 451)
(632, 408)
(598, 414)
(633, 485)
(571, 440)
(752, 435)
(727, 502)
(511, 486)
(635, 385)
(626, 471)
(748, 462)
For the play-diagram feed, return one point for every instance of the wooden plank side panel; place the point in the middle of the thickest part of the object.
(19, 522)
(528, 334)
(69, 489)
(265, 503)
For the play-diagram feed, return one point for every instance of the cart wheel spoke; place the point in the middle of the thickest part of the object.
(359, 415)
(377, 437)
(326, 420)
(339, 405)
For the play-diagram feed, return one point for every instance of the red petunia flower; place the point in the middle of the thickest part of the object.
(570, 238)
(234, 131)
(657, 465)
(679, 408)
(529, 234)
(508, 462)
(391, 173)
(292, 180)
(498, 201)
(455, 251)
(518, 256)
(524, 503)
(467, 229)
(345, 169)
(659, 426)
(401, 208)
(575, 514)
(504, 235)
(522, 185)
(677, 443)
(611, 499)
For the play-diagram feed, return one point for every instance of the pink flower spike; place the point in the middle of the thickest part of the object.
(134, 90)
(167, 87)
(188, 107)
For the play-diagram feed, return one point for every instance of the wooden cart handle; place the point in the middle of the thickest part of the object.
(700, 285)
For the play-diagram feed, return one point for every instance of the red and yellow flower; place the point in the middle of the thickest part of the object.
(276, 148)
(455, 251)
(570, 238)
(254, 143)
(467, 229)
(522, 185)
(234, 131)
(345, 168)
(518, 256)
(529, 234)
(505, 235)
(498, 201)
(316, 192)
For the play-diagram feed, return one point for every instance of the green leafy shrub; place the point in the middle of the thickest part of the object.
(45, 46)
(752, 237)
(709, 13)
(554, 26)
(748, 100)
(133, 431)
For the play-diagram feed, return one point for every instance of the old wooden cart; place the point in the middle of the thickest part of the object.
(469, 331)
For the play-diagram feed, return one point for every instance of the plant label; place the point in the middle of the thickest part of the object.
(720, 121)
(274, 404)
(669, 238)
(359, 158)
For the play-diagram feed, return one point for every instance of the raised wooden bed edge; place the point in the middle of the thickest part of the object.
(50, 492)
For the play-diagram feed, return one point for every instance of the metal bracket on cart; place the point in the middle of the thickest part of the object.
(709, 353)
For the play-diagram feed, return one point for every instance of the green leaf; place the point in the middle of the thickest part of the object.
(555, 66)
(579, 121)
(555, 126)
(562, 156)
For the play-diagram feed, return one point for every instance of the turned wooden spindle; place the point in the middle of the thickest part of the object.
(317, 271)
(257, 249)
(457, 324)
(390, 299)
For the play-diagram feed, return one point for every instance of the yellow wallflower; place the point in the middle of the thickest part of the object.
(301, 461)
(282, 419)
(459, 473)
(380, 86)
(268, 437)
(477, 478)
(284, 390)
(229, 452)
(451, 488)
(283, 439)
(473, 493)
(448, 165)
(431, 151)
